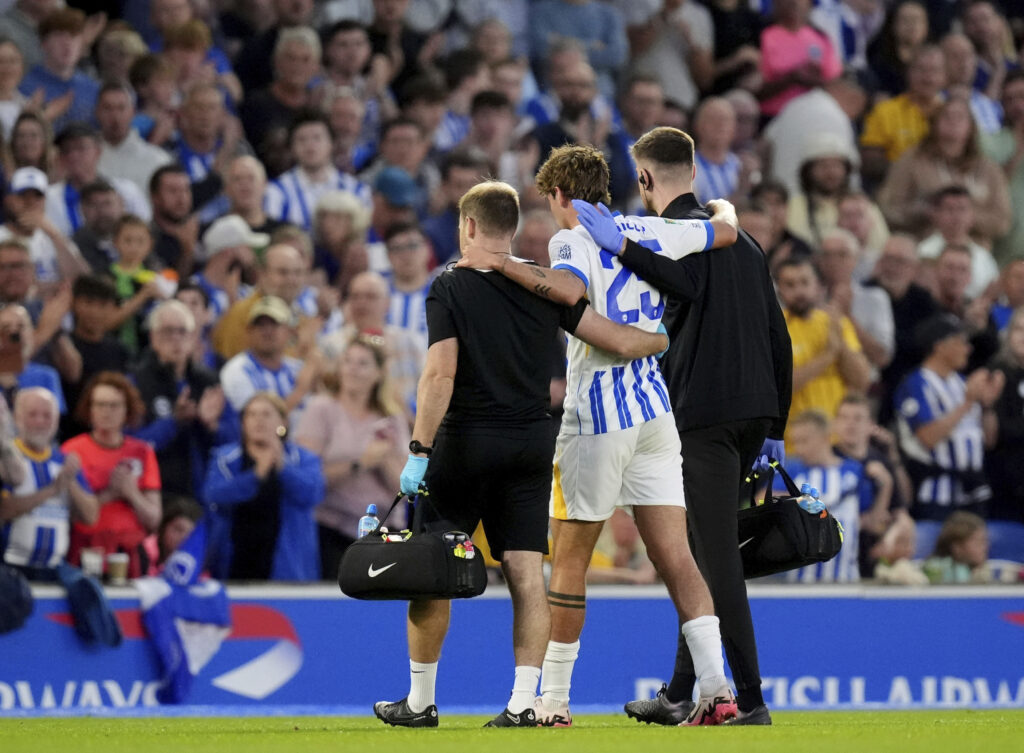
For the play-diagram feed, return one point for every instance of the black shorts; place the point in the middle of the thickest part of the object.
(502, 477)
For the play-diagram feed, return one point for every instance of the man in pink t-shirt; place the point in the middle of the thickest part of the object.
(795, 57)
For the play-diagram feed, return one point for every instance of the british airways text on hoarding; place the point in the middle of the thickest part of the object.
(819, 648)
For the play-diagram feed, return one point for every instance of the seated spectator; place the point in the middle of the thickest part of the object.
(576, 122)
(395, 198)
(62, 41)
(120, 469)
(37, 507)
(949, 155)
(895, 125)
(102, 207)
(264, 367)
(961, 68)
(720, 173)
(197, 302)
(116, 50)
(868, 308)
(79, 158)
(184, 401)
(93, 306)
(961, 551)
(293, 196)
(1011, 285)
(152, 78)
(25, 204)
(283, 275)
(227, 261)
(409, 279)
(953, 217)
(598, 26)
(1006, 148)
(267, 113)
(945, 425)
(245, 185)
(1002, 462)
(346, 113)
(460, 171)
(251, 61)
(124, 154)
(12, 69)
(17, 345)
(340, 223)
(181, 514)
(827, 357)
(952, 279)
(986, 27)
(844, 488)
(403, 144)
(491, 133)
(31, 143)
(137, 287)
(779, 243)
(858, 215)
(795, 56)
(906, 30)
(361, 434)
(466, 75)
(674, 42)
(269, 487)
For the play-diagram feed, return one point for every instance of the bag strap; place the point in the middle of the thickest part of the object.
(417, 500)
(398, 498)
(769, 475)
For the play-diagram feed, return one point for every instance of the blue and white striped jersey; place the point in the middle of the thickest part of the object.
(846, 492)
(605, 393)
(40, 537)
(292, 197)
(923, 397)
(243, 376)
(452, 131)
(408, 310)
(716, 180)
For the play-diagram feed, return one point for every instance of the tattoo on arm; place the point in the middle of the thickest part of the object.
(538, 272)
(542, 290)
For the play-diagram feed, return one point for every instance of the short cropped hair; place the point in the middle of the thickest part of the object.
(192, 35)
(69, 20)
(93, 288)
(494, 206)
(668, 147)
(131, 220)
(580, 171)
(813, 417)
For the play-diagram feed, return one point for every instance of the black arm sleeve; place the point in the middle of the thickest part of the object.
(440, 322)
(571, 315)
(782, 359)
(682, 279)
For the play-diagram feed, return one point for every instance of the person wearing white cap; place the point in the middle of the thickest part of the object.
(228, 257)
(54, 255)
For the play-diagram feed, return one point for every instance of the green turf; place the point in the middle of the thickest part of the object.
(817, 732)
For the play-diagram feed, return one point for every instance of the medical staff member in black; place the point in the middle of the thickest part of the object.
(730, 376)
(482, 424)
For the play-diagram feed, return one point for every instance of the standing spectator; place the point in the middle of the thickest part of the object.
(409, 278)
(827, 358)
(293, 196)
(643, 108)
(598, 26)
(78, 146)
(37, 507)
(952, 279)
(20, 23)
(1012, 284)
(945, 423)
(354, 144)
(577, 122)
(31, 143)
(491, 134)
(850, 26)
(460, 171)
(228, 262)
(266, 114)
(197, 302)
(264, 367)
(1006, 148)
(953, 217)
(12, 69)
(672, 40)
(138, 287)
(895, 273)
(251, 63)
(949, 155)
(53, 256)
(466, 75)
(245, 184)
(795, 56)
(153, 79)
(116, 50)
(17, 372)
(857, 215)
(1002, 462)
(102, 207)
(720, 173)
(773, 198)
(403, 144)
(986, 27)
(175, 228)
(184, 401)
(361, 435)
(62, 41)
(124, 154)
(408, 51)
(120, 469)
(339, 232)
(269, 487)
(905, 31)
(961, 67)
(845, 490)
(895, 125)
(737, 42)
(868, 309)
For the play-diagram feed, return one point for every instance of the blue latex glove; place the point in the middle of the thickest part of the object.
(600, 224)
(772, 449)
(412, 474)
(662, 330)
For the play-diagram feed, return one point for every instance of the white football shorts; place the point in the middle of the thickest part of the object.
(594, 473)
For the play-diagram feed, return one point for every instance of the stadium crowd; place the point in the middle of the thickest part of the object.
(221, 220)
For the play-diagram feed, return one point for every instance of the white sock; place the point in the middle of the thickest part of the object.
(524, 690)
(705, 643)
(559, 661)
(421, 687)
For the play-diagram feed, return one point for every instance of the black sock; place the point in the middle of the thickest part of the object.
(749, 699)
(681, 688)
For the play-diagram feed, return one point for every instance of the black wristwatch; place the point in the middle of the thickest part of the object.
(417, 448)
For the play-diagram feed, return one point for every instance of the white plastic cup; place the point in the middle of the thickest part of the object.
(117, 568)
(92, 562)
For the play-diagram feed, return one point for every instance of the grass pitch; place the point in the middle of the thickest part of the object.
(793, 732)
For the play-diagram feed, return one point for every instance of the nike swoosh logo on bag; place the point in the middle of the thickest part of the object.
(374, 572)
(746, 542)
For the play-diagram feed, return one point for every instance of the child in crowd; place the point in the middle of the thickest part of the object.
(961, 551)
(137, 286)
(180, 516)
(153, 79)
